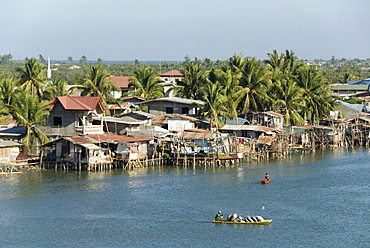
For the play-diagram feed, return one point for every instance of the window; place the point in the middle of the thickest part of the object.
(57, 121)
(185, 111)
(169, 110)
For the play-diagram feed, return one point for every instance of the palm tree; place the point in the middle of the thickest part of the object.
(289, 101)
(236, 63)
(33, 77)
(317, 97)
(8, 93)
(95, 83)
(193, 80)
(145, 81)
(28, 111)
(55, 89)
(8, 90)
(254, 82)
(215, 104)
(228, 83)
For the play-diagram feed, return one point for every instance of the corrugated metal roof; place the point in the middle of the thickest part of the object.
(116, 106)
(9, 143)
(266, 140)
(116, 138)
(256, 128)
(273, 113)
(124, 120)
(160, 119)
(174, 99)
(197, 135)
(91, 146)
(362, 87)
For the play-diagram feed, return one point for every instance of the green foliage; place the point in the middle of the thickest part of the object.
(145, 81)
(354, 100)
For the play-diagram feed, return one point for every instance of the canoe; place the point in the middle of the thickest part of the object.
(265, 181)
(231, 222)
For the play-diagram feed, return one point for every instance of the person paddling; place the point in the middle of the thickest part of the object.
(267, 177)
(219, 216)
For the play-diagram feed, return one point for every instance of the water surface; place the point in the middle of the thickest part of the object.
(315, 200)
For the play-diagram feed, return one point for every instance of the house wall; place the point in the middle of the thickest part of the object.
(8, 154)
(116, 128)
(161, 108)
(179, 125)
(72, 122)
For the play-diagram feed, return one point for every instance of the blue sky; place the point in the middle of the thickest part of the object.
(172, 29)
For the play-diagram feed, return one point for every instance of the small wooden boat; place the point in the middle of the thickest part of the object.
(264, 181)
(231, 222)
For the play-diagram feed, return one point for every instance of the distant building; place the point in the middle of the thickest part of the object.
(170, 80)
(172, 106)
(123, 83)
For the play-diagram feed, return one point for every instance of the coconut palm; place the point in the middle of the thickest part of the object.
(317, 97)
(55, 89)
(95, 83)
(215, 105)
(289, 101)
(8, 89)
(228, 83)
(28, 111)
(33, 77)
(145, 81)
(254, 82)
(236, 63)
(193, 80)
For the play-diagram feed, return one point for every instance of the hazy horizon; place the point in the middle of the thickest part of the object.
(166, 30)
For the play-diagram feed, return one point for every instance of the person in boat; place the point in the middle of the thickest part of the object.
(267, 177)
(219, 216)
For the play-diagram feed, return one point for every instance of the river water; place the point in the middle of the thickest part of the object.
(320, 199)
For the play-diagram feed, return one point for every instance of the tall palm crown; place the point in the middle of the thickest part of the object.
(95, 83)
(145, 81)
(254, 82)
(215, 104)
(33, 77)
(317, 96)
(28, 111)
(8, 90)
(55, 89)
(289, 101)
(193, 80)
(228, 82)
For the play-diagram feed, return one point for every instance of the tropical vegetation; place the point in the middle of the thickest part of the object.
(229, 88)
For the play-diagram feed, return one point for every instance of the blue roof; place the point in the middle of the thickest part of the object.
(14, 130)
(364, 81)
(234, 121)
(357, 107)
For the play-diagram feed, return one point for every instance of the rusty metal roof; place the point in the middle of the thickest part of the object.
(197, 135)
(256, 128)
(112, 138)
(266, 140)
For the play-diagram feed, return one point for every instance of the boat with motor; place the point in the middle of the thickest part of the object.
(244, 222)
(237, 219)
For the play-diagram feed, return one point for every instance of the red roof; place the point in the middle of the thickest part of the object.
(75, 102)
(121, 81)
(173, 73)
